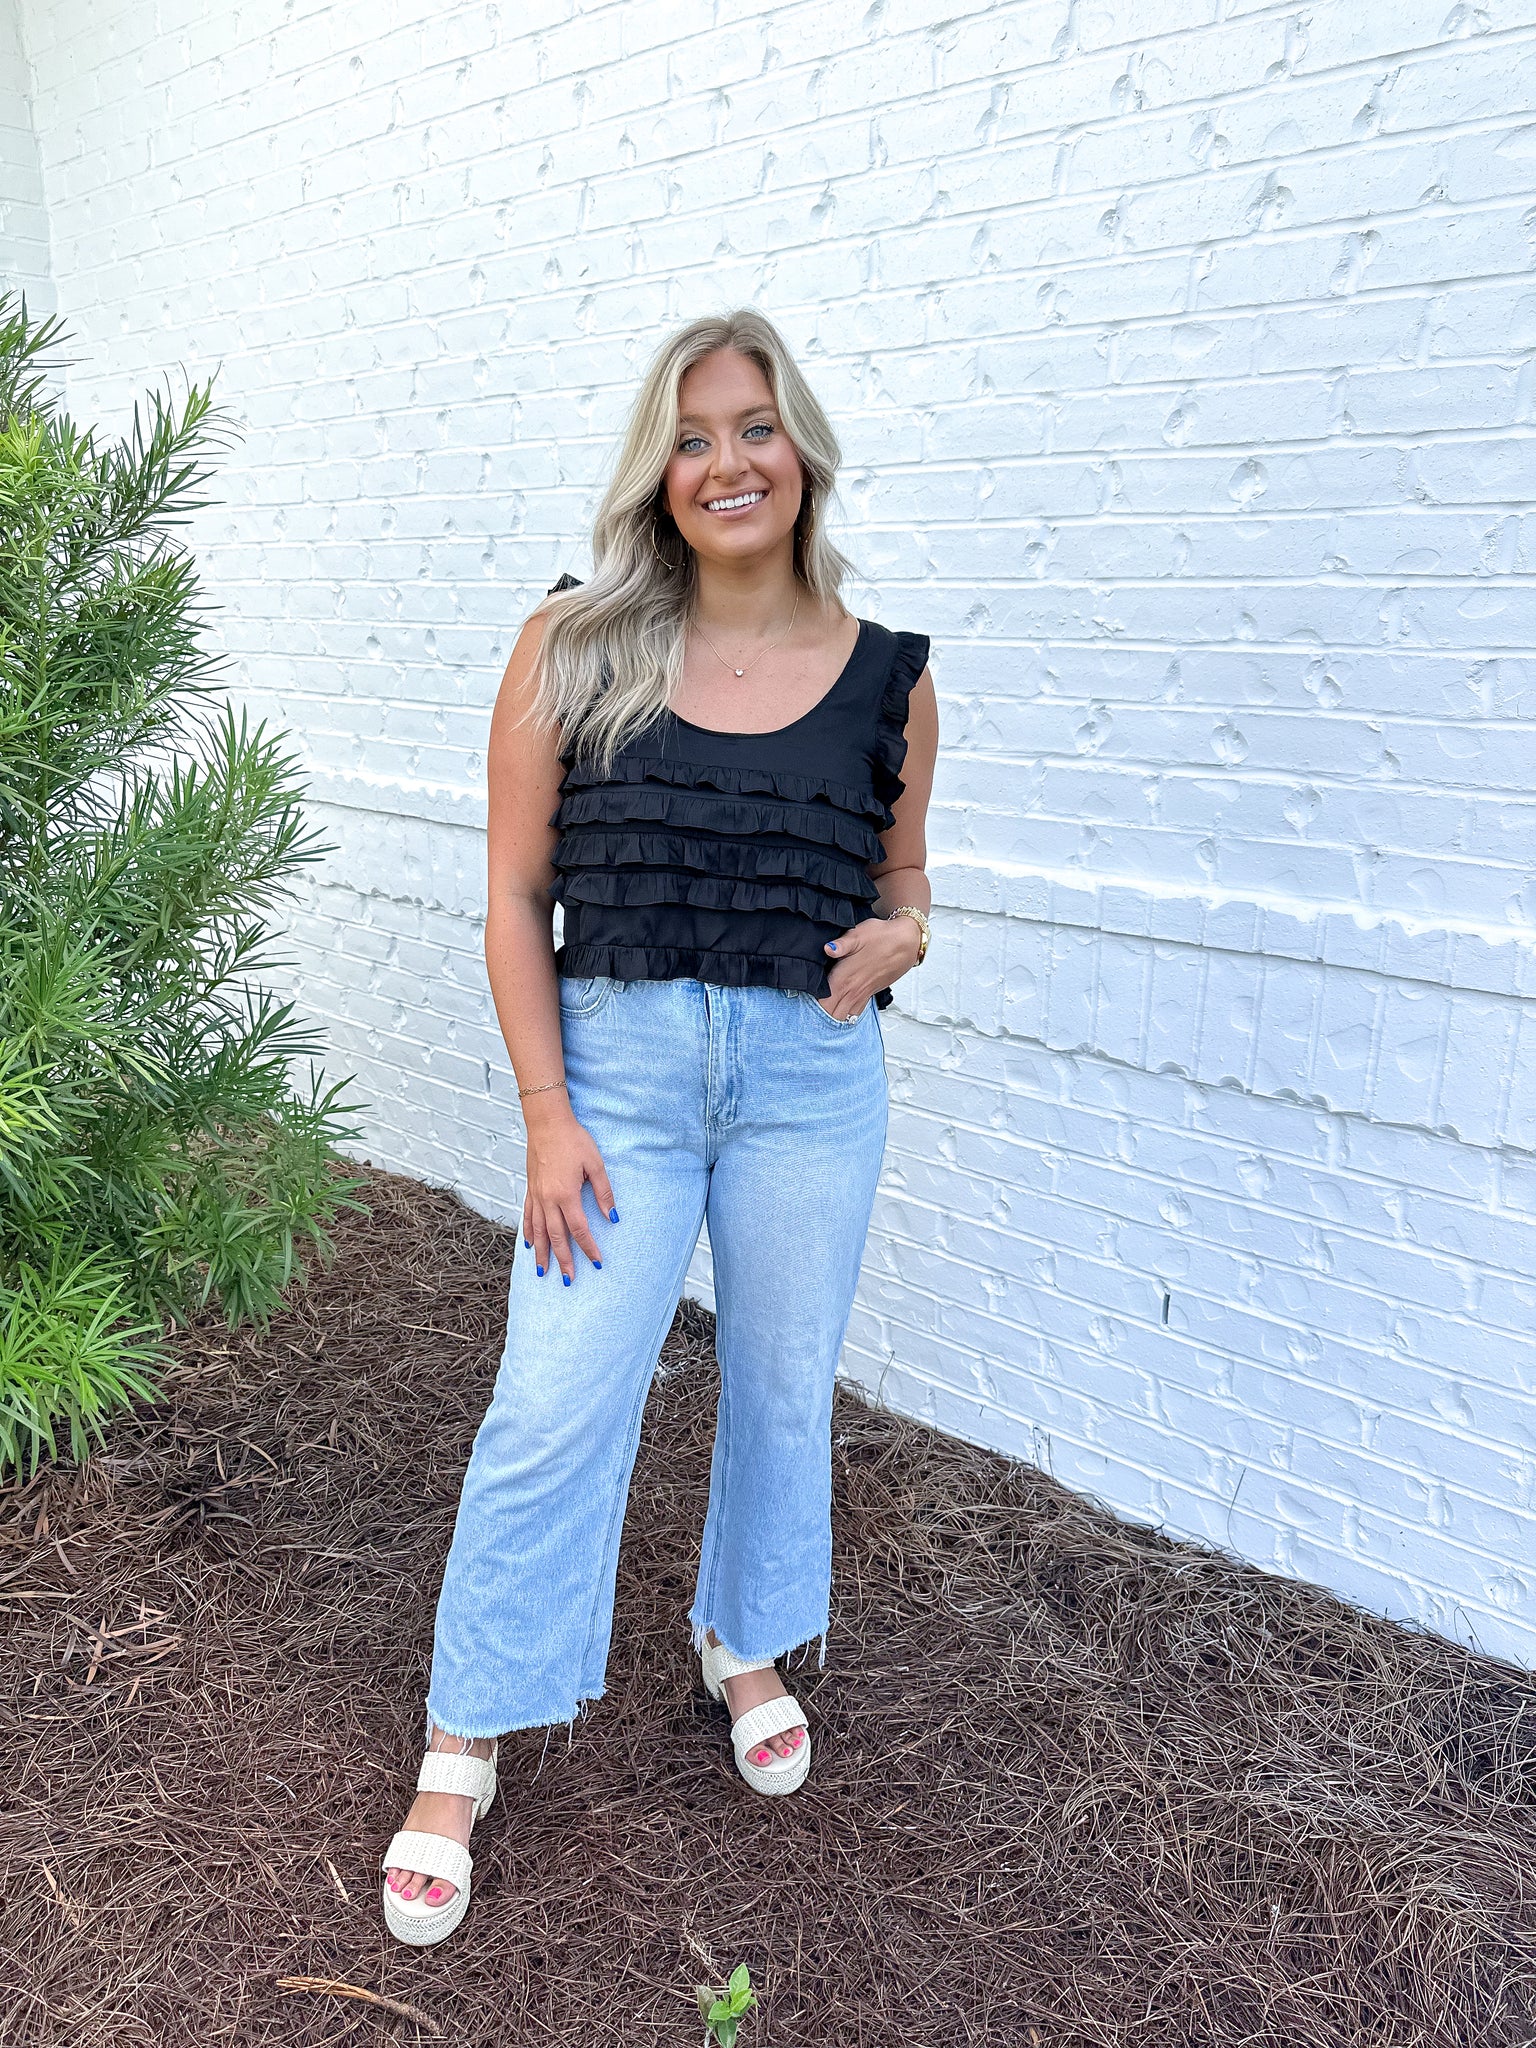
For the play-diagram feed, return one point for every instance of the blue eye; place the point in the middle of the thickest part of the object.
(687, 446)
(762, 427)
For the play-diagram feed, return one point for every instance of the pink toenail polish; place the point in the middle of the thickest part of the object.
(433, 1896)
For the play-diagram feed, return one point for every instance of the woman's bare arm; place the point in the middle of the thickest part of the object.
(523, 788)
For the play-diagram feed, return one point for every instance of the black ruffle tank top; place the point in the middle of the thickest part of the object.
(732, 857)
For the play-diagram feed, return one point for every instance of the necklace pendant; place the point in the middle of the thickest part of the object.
(741, 671)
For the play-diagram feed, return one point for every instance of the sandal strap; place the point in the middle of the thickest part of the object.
(468, 1777)
(773, 1717)
(438, 1855)
(725, 1663)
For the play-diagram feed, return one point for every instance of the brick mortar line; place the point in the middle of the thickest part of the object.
(960, 698)
(1496, 867)
(1098, 1450)
(863, 297)
(1206, 1293)
(1511, 361)
(1272, 1317)
(1354, 1233)
(1010, 464)
(947, 1254)
(1191, 649)
(1218, 1141)
(1129, 767)
(571, 297)
(1342, 1117)
(957, 697)
(1215, 900)
(1316, 1490)
(852, 239)
(1263, 775)
(1347, 1117)
(304, 659)
(850, 532)
(1237, 1409)
(893, 528)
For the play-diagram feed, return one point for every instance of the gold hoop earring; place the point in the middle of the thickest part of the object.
(656, 551)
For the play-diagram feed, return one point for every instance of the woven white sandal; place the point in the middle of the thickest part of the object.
(413, 1920)
(752, 1729)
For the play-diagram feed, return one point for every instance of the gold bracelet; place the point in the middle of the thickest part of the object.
(920, 917)
(542, 1089)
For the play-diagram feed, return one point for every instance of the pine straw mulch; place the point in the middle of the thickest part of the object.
(1075, 1785)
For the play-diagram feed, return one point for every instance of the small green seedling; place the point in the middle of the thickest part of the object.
(723, 2011)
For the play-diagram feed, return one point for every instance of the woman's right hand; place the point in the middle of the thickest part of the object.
(562, 1158)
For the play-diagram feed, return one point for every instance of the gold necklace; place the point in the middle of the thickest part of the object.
(714, 650)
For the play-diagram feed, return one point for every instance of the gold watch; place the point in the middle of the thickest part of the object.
(920, 918)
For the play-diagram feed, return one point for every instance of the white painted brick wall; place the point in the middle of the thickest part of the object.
(23, 218)
(1185, 356)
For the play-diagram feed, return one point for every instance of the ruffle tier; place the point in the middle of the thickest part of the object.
(621, 847)
(731, 817)
(728, 780)
(646, 889)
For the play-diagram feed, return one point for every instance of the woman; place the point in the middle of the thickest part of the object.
(723, 778)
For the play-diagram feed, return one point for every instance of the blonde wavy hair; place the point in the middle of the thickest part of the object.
(612, 652)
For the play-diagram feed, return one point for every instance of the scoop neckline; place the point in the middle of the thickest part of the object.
(729, 732)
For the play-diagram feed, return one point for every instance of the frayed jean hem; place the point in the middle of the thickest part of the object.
(701, 1630)
(467, 1733)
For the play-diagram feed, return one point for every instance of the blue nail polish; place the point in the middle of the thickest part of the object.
(566, 1278)
(831, 945)
(613, 1215)
(540, 1271)
(527, 1244)
(597, 1265)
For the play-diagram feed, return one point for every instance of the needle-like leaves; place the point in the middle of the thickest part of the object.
(155, 1156)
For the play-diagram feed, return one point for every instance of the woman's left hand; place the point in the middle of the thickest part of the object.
(869, 957)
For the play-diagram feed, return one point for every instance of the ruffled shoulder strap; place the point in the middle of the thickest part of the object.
(908, 659)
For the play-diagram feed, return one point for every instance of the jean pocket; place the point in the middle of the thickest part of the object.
(832, 1023)
(583, 995)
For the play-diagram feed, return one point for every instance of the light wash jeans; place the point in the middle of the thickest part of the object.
(753, 1108)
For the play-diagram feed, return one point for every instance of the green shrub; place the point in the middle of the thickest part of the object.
(155, 1156)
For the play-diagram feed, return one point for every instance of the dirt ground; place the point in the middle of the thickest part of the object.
(1075, 1785)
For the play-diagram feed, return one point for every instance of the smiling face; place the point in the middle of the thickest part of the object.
(734, 482)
